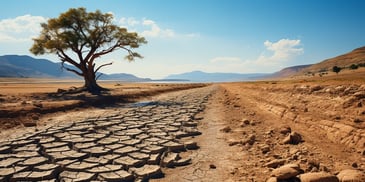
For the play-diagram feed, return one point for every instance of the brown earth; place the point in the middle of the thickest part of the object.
(24, 101)
(245, 127)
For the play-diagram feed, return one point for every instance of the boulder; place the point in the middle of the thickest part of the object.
(293, 138)
(286, 172)
(351, 175)
(318, 177)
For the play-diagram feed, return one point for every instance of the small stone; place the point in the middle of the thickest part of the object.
(226, 129)
(191, 145)
(250, 140)
(29, 124)
(265, 149)
(245, 121)
(357, 120)
(275, 163)
(212, 166)
(285, 130)
(233, 142)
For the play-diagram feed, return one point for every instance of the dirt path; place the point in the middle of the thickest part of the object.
(215, 160)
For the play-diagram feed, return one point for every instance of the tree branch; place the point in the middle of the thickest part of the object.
(70, 70)
(106, 51)
(66, 58)
(107, 64)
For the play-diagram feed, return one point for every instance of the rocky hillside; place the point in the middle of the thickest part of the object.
(357, 56)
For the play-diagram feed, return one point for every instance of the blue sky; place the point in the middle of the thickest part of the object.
(238, 36)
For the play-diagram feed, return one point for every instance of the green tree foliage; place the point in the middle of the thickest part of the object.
(336, 69)
(354, 67)
(79, 37)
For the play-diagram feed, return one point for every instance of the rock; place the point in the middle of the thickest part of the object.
(191, 145)
(285, 130)
(359, 94)
(265, 149)
(250, 140)
(245, 122)
(293, 138)
(212, 166)
(316, 88)
(286, 172)
(318, 177)
(233, 142)
(275, 163)
(29, 123)
(351, 175)
(272, 179)
(61, 90)
(226, 129)
(358, 120)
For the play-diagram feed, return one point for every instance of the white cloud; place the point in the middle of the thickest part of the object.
(283, 50)
(21, 28)
(155, 31)
(150, 28)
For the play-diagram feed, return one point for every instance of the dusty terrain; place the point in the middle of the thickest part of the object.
(242, 131)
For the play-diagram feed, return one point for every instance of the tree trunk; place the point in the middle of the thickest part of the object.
(90, 82)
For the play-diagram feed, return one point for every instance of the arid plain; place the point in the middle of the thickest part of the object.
(303, 129)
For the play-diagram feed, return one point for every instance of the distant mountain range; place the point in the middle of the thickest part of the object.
(26, 66)
(199, 76)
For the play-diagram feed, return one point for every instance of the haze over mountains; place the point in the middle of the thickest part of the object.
(26, 66)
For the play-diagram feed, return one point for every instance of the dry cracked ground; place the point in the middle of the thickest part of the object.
(262, 131)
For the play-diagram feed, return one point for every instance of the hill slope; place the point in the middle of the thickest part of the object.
(356, 56)
(289, 71)
(26, 66)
